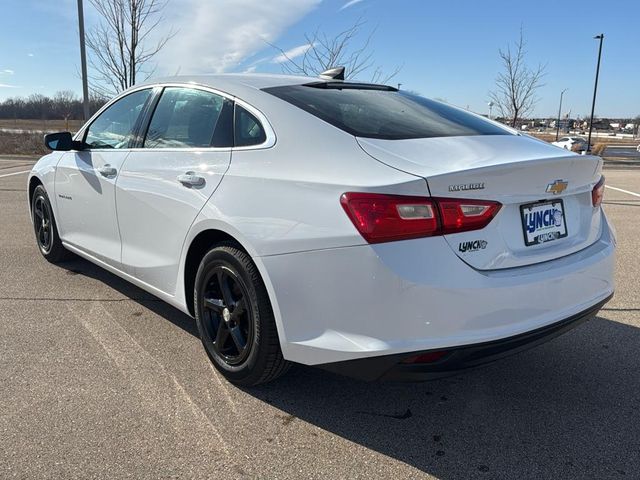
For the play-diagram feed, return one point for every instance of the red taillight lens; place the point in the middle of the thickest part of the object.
(384, 218)
(597, 193)
(429, 357)
(460, 215)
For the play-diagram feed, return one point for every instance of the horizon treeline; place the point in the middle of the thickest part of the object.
(63, 105)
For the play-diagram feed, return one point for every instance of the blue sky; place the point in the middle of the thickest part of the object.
(447, 50)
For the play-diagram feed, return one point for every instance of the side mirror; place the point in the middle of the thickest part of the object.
(62, 141)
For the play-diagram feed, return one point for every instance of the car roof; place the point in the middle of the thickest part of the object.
(238, 84)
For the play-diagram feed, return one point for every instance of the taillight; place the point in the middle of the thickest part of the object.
(384, 218)
(464, 215)
(598, 192)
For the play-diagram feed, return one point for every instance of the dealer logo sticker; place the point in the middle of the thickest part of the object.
(472, 246)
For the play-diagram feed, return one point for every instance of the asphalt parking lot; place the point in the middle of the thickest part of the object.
(101, 380)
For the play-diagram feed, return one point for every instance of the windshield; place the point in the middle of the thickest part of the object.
(384, 113)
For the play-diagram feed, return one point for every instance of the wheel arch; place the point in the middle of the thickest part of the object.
(204, 237)
(34, 181)
(199, 246)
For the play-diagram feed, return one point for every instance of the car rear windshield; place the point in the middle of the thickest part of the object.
(383, 112)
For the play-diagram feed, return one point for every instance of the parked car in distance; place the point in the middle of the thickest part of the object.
(575, 144)
(351, 226)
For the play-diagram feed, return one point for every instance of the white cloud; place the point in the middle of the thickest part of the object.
(7, 71)
(250, 69)
(350, 3)
(30, 55)
(4, 85)
(292, 53)
(214, 37)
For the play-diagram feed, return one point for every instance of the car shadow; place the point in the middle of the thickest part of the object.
(567, 409)
(79, 266)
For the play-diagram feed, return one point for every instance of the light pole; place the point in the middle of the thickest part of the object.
(595, 90)
(83, 63)
(490, 104)
(559, 110)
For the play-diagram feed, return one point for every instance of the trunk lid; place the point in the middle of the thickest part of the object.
(533, 181)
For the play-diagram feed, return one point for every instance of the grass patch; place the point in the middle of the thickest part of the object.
(44, 125)
(22, 144)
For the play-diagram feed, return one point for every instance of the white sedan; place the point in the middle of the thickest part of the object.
(571, 143)
(345, 225)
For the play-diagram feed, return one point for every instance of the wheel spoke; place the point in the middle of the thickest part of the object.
(238, 309)
(37, 210)
(238, 338)
(223, 282)
(221, 335)
(214, 304)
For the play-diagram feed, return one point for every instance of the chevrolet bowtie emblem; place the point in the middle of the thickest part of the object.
(557, 187)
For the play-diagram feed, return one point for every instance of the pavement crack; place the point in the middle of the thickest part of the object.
(47, 299)
(620, 309)
(398, 416)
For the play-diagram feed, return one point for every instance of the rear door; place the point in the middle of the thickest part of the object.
(85, 180)
(165, 182)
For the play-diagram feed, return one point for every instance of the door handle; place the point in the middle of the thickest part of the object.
(190, 179)
(107, 170)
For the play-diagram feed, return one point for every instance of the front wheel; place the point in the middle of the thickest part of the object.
(235, 319)
(45, 228)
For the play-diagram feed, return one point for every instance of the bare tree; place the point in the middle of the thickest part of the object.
(324, 52)
(64, 104)
(118, 45)
(516, 87)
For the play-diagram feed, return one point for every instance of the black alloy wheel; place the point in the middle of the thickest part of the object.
(42, 224)
(45, 228)
(228, 318)
(235, 319)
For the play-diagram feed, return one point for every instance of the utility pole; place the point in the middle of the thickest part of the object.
(559, 110)
(83, 61)
(595, 90)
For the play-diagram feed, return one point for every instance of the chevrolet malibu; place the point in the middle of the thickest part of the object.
(351, 226)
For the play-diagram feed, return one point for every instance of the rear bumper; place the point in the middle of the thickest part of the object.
(397, 298)
(456, 359)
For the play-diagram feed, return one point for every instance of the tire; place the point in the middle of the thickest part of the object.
(235, 319)
(45, 228)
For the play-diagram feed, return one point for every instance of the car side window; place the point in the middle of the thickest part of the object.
(248, 130)
(190, 118)
(114, 128)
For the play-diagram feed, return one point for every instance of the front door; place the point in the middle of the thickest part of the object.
(85, 180)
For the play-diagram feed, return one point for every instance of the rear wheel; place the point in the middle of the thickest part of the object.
(45, 228)
(235, 319)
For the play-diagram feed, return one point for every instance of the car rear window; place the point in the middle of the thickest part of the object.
(383, 112)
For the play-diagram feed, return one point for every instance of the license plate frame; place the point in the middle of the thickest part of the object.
(551, 232)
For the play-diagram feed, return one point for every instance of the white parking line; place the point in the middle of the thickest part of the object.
(18, 173)
(623, 191)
